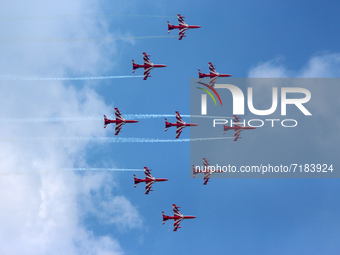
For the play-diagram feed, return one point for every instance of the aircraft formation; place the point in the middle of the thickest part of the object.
(120, 121)
(180, 124)
(149, 180)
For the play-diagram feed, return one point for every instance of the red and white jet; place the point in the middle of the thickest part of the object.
(178, 217)
(207, 171)
(237, 127)
(148, 66)
(213, 74)
(120, 121)
(182, 26)
(149, 180)
(180, 124)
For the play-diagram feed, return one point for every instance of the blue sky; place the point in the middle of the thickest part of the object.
(101, 212)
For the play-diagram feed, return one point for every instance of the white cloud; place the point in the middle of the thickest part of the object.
(28, 24)
(322, 65)
(324, 103)
(269, 69)
(124, 213)
(43, 213)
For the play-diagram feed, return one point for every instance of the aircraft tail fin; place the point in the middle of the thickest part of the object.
(134, 66)
(225, 128)
(194, 172)
(165, 218)
(136, 180)
(167, 124)
(169, 27)
(106, 121)
(200, 74)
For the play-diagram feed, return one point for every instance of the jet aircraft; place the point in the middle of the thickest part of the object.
(149, 180)
(120, 121)
(148, 66)
(180, 124)
(182, 26)
(237, 127)
(178, 217)
(213, 74)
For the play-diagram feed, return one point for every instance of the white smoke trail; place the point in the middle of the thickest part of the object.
(146, 140)
(47, 171)
(102, 169)
(71, 16)
(100, 118)
(27, 39)
(42, 120)
(151, 116)
(114, 139)
(32, 78)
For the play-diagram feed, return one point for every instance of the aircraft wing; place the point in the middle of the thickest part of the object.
(236, 120)
(118, 115)
(207, 173)
(205, 162)
(119, 127)
(181, 20)
(176, 224)
(176, 210)
(237, 134)
(181, 33)
(179, 118)
(148, 187)
(212, 69)
(179, 131)
(147, 72)
(213, 80)
(206, 178)
(146, 59)
(147, 173)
